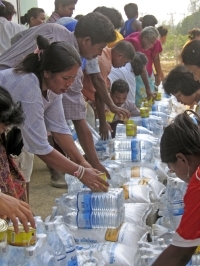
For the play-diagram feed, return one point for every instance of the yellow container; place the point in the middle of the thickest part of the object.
(103, 176)
(109, 116)
(22, 239)
(148, 105)
(130, 122)
(131, 130)
(144, 112)
(3, 230)
(158, 96)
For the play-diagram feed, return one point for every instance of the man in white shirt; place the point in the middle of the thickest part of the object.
(8, 29)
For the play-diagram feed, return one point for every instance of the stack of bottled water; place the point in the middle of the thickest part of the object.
(136, 149)
(152, 123)
(88, 210)
(121, 131)
(171, 204)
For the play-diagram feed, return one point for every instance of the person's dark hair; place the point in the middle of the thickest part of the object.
(33, 12)
(113, 14)
(93, 25)
(77, 17)
(55, 57)
(180, 80)
(7, 9)
(139, 63)
(192, 34)
(162, 30)
(11, 113)
(64, 3)
(149, 20)
(131, 10)
(126, 48)
(190, 54)
(120, 86)
(181, 136)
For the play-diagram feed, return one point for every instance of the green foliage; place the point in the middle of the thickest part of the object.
(189, 23)
(173, 45)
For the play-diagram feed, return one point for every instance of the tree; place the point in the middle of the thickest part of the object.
(194, 6)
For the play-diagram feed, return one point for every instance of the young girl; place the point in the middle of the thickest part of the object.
(180, 149)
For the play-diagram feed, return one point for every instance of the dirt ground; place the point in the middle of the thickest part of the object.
(167, 66)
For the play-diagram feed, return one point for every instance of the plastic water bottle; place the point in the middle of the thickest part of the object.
(74, 136)
(95, 219)
(162, 115)
(30, 258)
(44, 252)
(4, 254)
(40, 226)
(56, 244)
(68, 242)
(16, 256)
(87, 200)
(73, 183)
(175, 205)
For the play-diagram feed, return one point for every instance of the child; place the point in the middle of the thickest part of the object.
(180, 149)
(118, 94)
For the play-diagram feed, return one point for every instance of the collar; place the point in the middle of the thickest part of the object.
(3, 19)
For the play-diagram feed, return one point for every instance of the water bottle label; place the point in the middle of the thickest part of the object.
(84, 201)
(72, 258)
(135, 144)
(61, 260)
(177, 209)
(145, 123)
(74, 135)
(84, 220)
(136, 155)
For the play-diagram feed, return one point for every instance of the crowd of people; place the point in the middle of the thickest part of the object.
(79, 69)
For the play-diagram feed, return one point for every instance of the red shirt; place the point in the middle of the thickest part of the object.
(188, 232)
(135, 39)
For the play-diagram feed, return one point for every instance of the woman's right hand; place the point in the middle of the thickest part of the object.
(13, 209)
(93, 181)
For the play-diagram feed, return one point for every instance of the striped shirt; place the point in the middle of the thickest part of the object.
(41, 114)
(73, 103)
(53, 18)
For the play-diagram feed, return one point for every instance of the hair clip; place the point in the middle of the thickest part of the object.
(38, 52)
(2, 4)
(193, 51)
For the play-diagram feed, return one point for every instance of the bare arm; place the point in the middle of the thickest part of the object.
(160, 76)
(66, 143)
(146, 83)
(59, 162)
(104, 126)
(175, 256)
(86, 141)
(102, 92)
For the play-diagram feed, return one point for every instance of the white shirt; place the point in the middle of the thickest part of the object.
(8, 29)
(41, 114)
(125, 73)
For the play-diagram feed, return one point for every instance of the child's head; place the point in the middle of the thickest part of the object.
(194, 34)
(131, 10)
(122, 53)
(65, 8)
(180, 146)
(163, 33)
(113, 14)
(180, 83)
(139, 63)
(190, 56)
(119, 92)
(149, 20)
(34, 17)
(10, 113)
